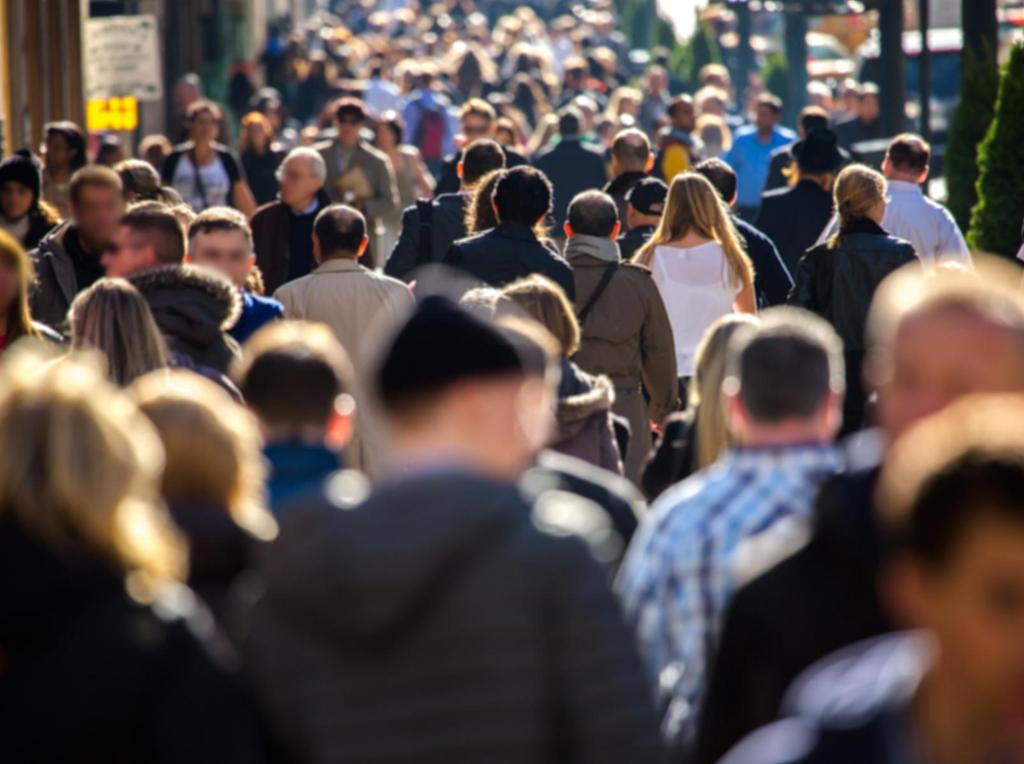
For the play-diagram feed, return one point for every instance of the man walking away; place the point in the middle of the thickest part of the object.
(784, 388)
(645, 202)
(447, 618)
(572, 166)
(430, 227)
(624, 330)
(632, 160)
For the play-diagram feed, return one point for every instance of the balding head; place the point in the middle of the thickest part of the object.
(907, 158)
(631, 152)
(339, 231)
(301, 176)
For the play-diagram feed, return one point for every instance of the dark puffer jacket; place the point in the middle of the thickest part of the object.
(584, 423)
(194, 309)
(435, 623)
(89, 675)
(447, 225)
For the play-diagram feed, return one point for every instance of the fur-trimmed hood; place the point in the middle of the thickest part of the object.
(580, 396)
(193, 307)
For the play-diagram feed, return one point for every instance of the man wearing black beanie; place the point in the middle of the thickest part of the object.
(448, 617)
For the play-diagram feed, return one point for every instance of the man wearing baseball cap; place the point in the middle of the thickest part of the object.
(645, 202)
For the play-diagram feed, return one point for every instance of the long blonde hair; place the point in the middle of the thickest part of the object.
(81, 468)
(705, 399)
(212, 446)
(694, 204)
(113, 318)
(857, 190)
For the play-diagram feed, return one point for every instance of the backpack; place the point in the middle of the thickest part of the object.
(430, 134)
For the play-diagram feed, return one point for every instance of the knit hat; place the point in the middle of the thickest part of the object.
(25, 169)
(441, 344)
(648, 196)
(818, 152)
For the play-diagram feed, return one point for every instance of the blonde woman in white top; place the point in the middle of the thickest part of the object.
(698, 263)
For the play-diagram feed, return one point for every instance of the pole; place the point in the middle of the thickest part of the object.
(893, 84)
(924, 68)
(796, 53)
(745, 58)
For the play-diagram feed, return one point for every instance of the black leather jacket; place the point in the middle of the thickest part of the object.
(838, 282)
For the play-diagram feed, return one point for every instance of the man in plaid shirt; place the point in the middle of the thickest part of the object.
(783, 396)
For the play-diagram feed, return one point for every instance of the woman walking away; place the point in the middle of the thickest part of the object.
(113, 318)
(23, 213)
(694, 439)
(413, 179)
(583, 419)
(105, 655)
(63, 155)
(15, 279)
(837, 279)
(698, 264)
(204, 172)
(214, 477)
(141, 183)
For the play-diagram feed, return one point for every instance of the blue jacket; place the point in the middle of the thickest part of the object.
(256, 311)
(297, 469)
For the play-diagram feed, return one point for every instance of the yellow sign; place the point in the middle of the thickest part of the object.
(112, 114)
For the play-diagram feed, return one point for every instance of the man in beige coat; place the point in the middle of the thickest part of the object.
(625, 332)
(359, 175)
(355, 302)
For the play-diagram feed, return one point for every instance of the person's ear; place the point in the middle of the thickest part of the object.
(904, 593)
(615, 231)
(649, 165)
(460, 170)
(362, 247)
(341, 424)
(735, 412)
(567, 227)
(317, 255)
(188, 259)
(922, 177)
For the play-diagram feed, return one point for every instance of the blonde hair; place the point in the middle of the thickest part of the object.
(705, 403)
(711, 127)
(19, 317)
(81, 468)
(212, 446)
(857, 190)
(693, 204)
(545, 302)
(113, 318)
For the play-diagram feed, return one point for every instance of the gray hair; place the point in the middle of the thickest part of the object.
(305, 152)
(785, 366)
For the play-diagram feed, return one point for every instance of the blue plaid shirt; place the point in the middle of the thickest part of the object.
(677, 578)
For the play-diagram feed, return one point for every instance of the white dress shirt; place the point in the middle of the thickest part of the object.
(923, 222)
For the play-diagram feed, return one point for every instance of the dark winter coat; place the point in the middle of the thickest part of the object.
(572, 168)
(507, 252)
(619, 186)
(89, 675)
(854, 707)
(793, 218)
(448, 181)
(772, 279)
(441, 621)
(816, 601)
(271, 242)
(838, 283)
(261, 172)
(583, 419)
(447, 225)
(56, 283)
(257, 312)
(674, 457)
(194, 309)
(631, 241)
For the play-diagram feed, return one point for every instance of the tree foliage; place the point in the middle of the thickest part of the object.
(775, 74)
(997, 215)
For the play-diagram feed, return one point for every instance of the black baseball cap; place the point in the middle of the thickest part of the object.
(648, 196)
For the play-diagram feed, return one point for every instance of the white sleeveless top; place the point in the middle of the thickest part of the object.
(694, 285)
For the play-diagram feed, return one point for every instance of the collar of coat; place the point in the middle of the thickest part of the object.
(599, 247)
(339, 265)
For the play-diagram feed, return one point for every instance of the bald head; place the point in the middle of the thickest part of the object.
(339, 231)
(631, 151)
(907, 158)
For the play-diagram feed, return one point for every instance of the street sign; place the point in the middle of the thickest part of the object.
(122, 58)
(112, 114)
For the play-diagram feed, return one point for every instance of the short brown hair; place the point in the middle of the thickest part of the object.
(478, 107)
(544, 301)
(165, 232)
(350, 107)
(220, 219)
(770, 101)
(909, 153)
(93, 176)
(632, 148)
(203, 105)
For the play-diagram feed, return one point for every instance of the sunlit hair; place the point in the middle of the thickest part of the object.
(19, 318)
(260, 120)
(705, 403)
(114, 319)
(545, 302)
(857, 190)
(81, 469)
(212, 447)
(480, 214)
(140, 182)
(694, 205)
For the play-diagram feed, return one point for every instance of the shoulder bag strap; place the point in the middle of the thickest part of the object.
(602, 285)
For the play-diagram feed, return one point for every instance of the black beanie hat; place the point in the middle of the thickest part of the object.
(441, 344)
(26, 170)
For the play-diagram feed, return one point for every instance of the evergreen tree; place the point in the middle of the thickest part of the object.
(978, 89)
(688, 58)
(775, 74)
(996, 218)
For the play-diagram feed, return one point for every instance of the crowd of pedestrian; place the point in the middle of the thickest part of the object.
(497, 400)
